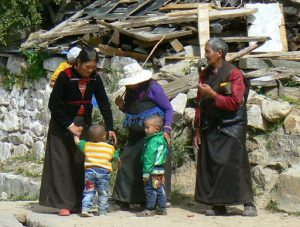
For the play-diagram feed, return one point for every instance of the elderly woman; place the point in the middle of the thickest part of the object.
(144, 97)
(223, 171)
(71, 109)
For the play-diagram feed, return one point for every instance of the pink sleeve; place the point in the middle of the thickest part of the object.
(234, 101)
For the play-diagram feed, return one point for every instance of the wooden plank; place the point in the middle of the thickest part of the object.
(271, 72)
(183, 17)
(245, 39)
(184, 6)
(283, 30)
(293, 55)
(217, 14)
(111, 51)
(177, 46)
(203, 28)
(149, 37)
(259, 63)
(139, 7)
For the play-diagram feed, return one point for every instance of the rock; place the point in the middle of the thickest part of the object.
(118, 63)
(9, 220)
(283, 148)
(258, 157)
(264, 178)
(178, 104)
(255, 118)
(17, 186)
(4, 196)
(40, 85)
(27, 139)
(43, 117)
(292, 122)
(37, 128)
(5, 150)
(251, 145)
(290, 11)
(273, 111)
(39, 149)
(286, 192)
(20, 150)
(177, 69)
(11, 122)
(25, 123)
(254, 98)
(15, 138)
(3, 136)
(51, 64)
(14, 64)
(104, 63)
(4, 98)
(192, 93)
(191, 51)
(189, 114)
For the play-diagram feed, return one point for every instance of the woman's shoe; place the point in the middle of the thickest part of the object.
(250, 211)
(216, 211)
(64, 212)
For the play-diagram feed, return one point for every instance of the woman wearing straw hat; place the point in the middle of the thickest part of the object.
(143, 97)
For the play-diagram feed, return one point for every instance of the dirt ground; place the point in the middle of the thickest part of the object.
(186, 214)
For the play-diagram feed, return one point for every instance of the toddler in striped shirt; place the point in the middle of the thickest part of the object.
(98, 166)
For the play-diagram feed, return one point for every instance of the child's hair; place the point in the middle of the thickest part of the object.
(96, 133)
(157, 121)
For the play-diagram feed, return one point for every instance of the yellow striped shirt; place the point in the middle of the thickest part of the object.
(98, 154)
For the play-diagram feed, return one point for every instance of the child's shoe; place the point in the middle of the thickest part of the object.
(161, 212)
(87, 214)
(146, 213)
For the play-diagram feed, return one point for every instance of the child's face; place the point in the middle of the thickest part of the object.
(150, 128)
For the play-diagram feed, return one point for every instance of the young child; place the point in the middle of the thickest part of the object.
(98, 157)
(153, 159)
(72, 57)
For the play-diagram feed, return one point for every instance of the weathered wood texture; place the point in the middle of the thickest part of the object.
(260, 63)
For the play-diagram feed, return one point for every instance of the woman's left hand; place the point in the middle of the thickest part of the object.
(168, 138)
(112, 135)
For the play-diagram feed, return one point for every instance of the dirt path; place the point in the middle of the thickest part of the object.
(187, 215)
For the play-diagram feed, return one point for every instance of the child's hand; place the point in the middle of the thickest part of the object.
(76, 140)
(120, 102)
(145, 179)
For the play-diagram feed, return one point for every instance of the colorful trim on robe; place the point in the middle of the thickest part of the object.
(138, 119)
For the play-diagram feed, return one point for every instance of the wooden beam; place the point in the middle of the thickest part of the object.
(203, 28)
(283, 30)
(245, 39)
(185, 6)
(111, 51)
(217, 14)
(147, 37)
(183, 17)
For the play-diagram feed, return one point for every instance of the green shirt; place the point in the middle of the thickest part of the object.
(154, 155)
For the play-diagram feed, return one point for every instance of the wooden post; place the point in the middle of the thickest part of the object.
(203, 28)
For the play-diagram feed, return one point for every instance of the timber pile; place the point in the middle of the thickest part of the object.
(171, 33)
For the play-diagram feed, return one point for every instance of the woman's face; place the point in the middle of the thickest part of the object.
(87, 68)
(211, 55)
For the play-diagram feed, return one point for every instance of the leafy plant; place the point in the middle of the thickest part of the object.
(18, 14)
(181, 151)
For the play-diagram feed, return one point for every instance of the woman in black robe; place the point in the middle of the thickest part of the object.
(71, 114)
(223, 171)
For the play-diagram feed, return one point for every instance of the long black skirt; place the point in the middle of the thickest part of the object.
(63, 174)
(129, 185)
(223, 171)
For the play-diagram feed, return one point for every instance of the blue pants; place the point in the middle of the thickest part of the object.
(96, 180)
(155, 193)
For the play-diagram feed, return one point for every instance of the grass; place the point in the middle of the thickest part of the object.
(177, 197)
(23, 197)
(273, 207)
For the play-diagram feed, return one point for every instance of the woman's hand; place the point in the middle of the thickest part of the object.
(76, 130)
(120, 102)
(168, 138)
(113, 137)
(206, 90)
(197, 138)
